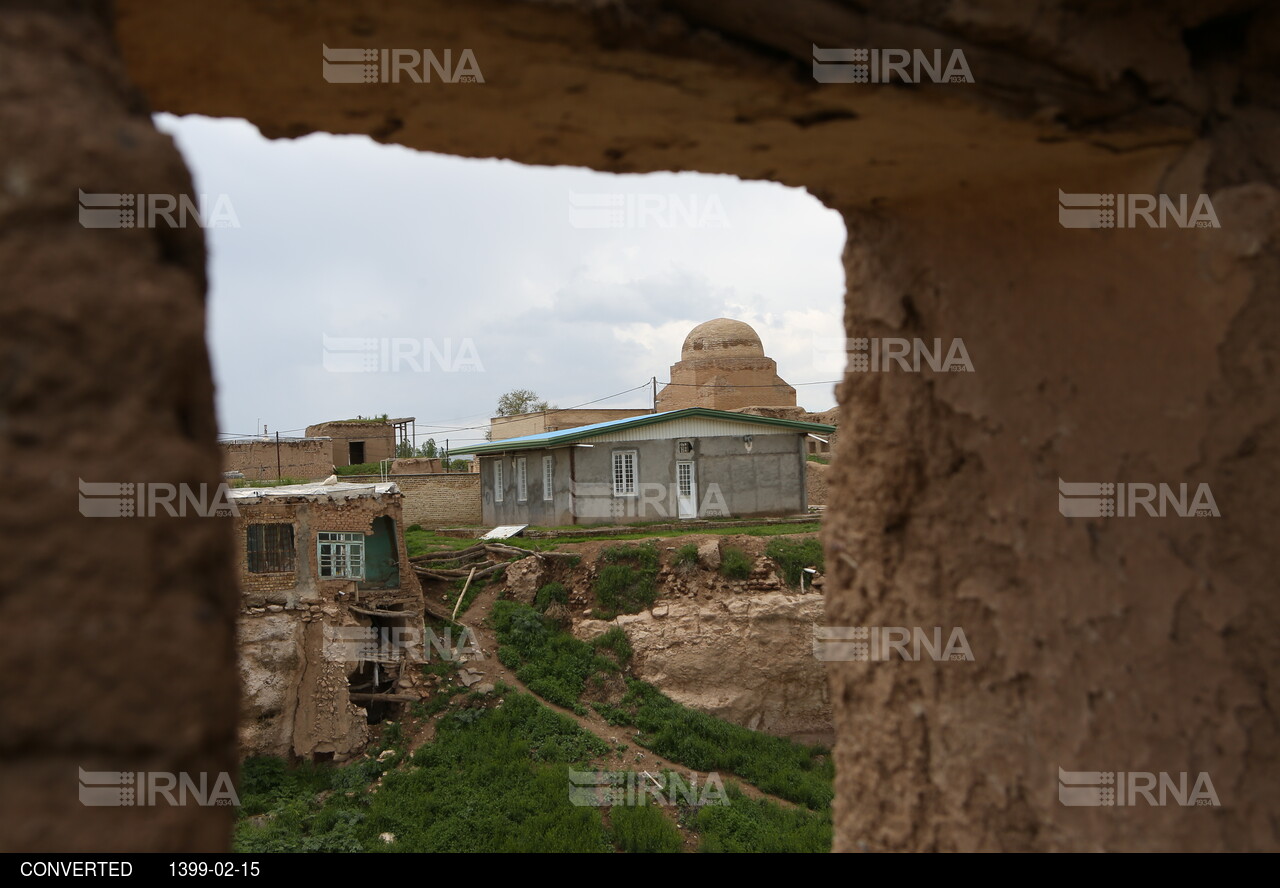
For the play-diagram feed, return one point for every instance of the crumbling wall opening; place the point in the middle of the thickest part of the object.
(383, 660)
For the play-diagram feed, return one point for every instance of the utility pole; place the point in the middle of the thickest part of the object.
(278, 472)
(655, 394)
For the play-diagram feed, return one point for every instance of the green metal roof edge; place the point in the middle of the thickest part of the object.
(566, 436)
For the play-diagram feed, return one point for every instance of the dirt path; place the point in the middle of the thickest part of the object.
(492, 670)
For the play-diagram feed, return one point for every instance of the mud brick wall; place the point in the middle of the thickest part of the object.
(260, 460)
(450, 499)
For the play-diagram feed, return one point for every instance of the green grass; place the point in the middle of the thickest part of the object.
(686, 556)
(419, 541)
(801, 774)
(813, 457)
(369, 468)
(735, 563)
(644, 829)
(627, 583)
(552, 664)
(494, 781)
(758, 825)
(557, 666)
(307, 808)
(616, 642)
(762, 530)
(795, 555)
(623, 589)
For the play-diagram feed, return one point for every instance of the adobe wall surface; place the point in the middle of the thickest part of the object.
(1123, 355)
(296, 701)
(264, 460)
(378, 437)
(449, 499)
(122, 629)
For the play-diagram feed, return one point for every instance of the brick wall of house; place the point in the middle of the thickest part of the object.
(308, 518)
(449, 499)
(308, 459)
(504, 427)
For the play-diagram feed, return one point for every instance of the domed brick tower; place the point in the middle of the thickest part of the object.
(723, 366)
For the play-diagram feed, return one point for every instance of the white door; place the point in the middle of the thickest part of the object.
(686, 490)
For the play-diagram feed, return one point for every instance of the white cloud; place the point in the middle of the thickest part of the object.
(341, 236)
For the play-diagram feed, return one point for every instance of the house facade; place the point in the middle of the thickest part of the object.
(331, 615)
(682, 464)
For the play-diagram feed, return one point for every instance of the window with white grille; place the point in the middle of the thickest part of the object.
(497, 480)
(624, 473)
(522, 479)
(548, 477)
(341, 555)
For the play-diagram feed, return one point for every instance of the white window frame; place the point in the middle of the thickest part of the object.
(620, 460)
(548, 478)
(522, 479)
(497, 480)
(344, 558)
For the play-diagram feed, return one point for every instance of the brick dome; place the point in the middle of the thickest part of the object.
(723, 337)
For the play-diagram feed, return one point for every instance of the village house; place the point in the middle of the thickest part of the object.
(358, 441)
(331, 614)
(681, 464)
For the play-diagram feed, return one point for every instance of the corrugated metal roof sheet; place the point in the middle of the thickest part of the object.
(706, 420)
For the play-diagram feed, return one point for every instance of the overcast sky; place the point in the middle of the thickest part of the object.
(443, 282)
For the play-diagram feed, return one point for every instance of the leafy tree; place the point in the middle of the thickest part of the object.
(519, 401)
(427, 450)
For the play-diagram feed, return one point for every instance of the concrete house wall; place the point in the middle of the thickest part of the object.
(768, 479)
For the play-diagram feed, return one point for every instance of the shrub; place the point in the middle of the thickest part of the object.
(735, 563)
(551, 593)
(617, 642)
(793, 556)
(625, 589)
(687, 556)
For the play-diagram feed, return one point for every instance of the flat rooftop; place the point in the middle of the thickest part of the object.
(316, 492)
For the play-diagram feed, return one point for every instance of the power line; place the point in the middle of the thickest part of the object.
(501, 421)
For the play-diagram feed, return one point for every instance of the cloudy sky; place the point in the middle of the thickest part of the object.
(365, 279)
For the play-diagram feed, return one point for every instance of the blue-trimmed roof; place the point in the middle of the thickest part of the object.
(566, 436)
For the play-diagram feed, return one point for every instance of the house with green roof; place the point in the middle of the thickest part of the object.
(681, 464)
